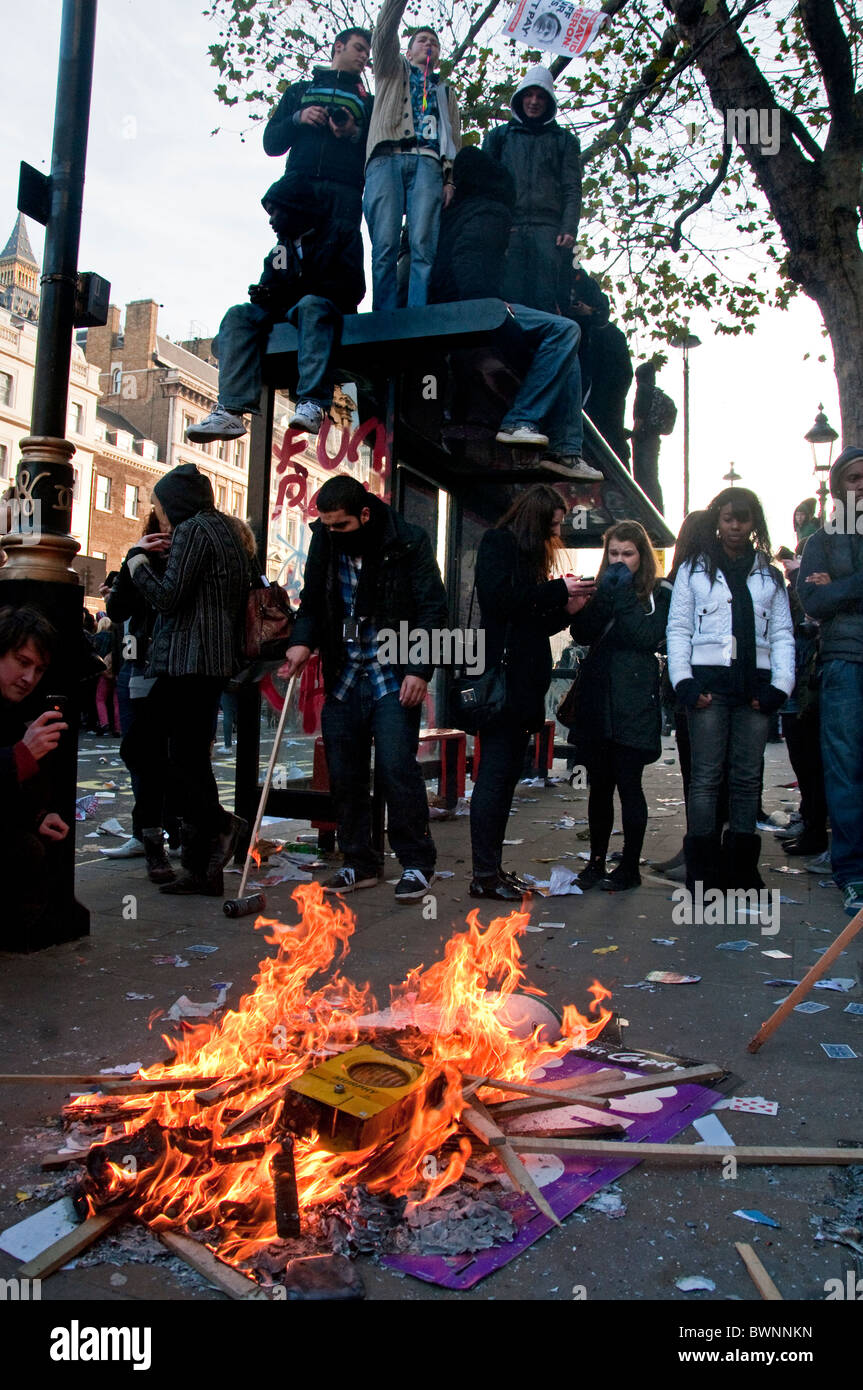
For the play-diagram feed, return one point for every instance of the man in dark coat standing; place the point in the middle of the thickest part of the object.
(544, 161)
(611, 365)
(371, 575)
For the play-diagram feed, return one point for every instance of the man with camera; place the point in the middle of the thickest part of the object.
(315, 274)
(27, 826)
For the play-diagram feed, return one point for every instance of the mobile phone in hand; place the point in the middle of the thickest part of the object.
(57, 703)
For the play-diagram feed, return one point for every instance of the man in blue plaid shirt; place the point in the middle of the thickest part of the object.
(369, 570)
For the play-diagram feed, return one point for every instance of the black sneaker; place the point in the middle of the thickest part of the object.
(495, 888)
(347, 880)
(620, 879)
(413, 885)
(591, 875)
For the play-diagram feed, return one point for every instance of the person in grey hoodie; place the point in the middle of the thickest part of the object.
(544, 161)
(830, 587)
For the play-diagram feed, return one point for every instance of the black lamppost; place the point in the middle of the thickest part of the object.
(731, 477)
(40, 546)
(686, 341)
(822, 437)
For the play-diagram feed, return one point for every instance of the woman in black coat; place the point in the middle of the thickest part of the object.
(520, 607)
(619, 719)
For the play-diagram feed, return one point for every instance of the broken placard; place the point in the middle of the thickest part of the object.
(36, 1233)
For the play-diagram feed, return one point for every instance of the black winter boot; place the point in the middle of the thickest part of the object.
(740, 860)
(703, 864)
(202, 867)
(159, 868)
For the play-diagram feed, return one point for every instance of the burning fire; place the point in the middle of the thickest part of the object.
(455, 1017)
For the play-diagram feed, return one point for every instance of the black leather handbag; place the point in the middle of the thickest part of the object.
(476, 700)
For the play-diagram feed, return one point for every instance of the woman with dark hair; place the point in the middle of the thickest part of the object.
(520, 606)
(805, 524)
(731, 663)
(619, 709)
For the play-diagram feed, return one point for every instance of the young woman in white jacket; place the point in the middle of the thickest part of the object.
(731, 663)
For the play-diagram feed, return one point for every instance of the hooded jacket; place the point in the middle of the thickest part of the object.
(201, 596)
(474, 231)
(399, 581)
(313, 151)
(543, 159)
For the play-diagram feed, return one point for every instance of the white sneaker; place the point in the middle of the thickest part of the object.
(130, 849)
(219, 424)
(307, 416)
(527, 435)
(579, 468)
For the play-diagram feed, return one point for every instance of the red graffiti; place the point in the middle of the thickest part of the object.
(292, 489)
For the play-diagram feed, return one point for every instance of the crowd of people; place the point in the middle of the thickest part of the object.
(446, 222)
(739, 643)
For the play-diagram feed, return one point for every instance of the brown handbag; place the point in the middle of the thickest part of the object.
(269, 622)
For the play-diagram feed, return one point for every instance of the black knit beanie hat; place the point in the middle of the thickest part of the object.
(184, 492)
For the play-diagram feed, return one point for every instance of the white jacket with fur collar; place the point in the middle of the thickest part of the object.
(699, 624)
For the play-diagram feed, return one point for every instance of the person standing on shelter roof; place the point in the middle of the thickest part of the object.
(545, 163)
(413, 140)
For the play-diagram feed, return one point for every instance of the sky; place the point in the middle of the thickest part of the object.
(172, 212)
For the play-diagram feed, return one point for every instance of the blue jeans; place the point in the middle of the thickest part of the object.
(842, 755)
(550, 394)
(727, 736)
(399, 185)
(348, 727)
(242, 340)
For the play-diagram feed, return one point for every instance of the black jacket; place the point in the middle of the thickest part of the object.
(545, 164)
(619, 697)
(474, 231)
(399, 581)
(331, 267)
(314, 151)
(837, 606)
(509, 597)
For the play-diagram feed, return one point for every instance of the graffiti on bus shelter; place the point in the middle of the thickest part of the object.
(292, 489)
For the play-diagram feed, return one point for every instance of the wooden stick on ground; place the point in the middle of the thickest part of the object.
(255, 1111)
(231, 1281)
(618, 1085)
(598, 1148)
(67, 1247)
(760, 1278)
(110, 1082)
(801, 990)
(560, 1092)
(479, 1122)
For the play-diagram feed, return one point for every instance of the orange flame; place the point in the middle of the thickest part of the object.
(458, 1017)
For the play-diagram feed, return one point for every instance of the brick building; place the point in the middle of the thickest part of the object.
(125, 467)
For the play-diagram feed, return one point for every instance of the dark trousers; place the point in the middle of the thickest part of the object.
(504, 745)
(645, 466)
(727, 738)
(168, 750)
(803, 741)
(349, 727)
(613, 767)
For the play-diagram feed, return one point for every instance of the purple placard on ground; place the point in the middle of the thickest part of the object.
(581, 1177)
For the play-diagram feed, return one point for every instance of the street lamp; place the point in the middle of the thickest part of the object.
(731, 477)
(822, 437)
(686, 341)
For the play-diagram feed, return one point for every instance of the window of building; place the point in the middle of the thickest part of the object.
(75, 422)
(237, 508)
(131, 504)
(239, 453)
(100, 555)
(4, 460)
(223, 450)
(188, 422)
(74, 483)
(221, 498)
(116, 381)
(5, 388)
(103, 493)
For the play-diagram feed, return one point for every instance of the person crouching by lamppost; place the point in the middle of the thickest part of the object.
(368, 570)
(201, 600)
(27, 827)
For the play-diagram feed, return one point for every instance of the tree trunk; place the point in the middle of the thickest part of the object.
(812, 195)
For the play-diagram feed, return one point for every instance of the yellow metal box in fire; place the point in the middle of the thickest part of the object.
(362, 1096)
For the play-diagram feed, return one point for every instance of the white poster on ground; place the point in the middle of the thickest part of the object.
(558, 25)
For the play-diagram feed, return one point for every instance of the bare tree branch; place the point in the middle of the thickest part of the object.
(703, 198)
(827, 39)
(472, 32)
